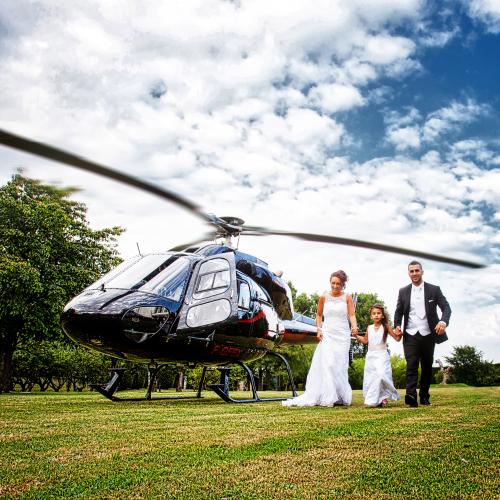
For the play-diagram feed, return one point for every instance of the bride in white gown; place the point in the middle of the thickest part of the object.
(327, 382)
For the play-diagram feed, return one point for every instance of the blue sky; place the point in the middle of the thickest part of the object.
(362, 119)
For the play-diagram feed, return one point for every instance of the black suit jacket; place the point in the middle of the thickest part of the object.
(434, 298)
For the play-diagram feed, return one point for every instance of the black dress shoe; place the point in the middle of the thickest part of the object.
(425, 402)
(411, 400)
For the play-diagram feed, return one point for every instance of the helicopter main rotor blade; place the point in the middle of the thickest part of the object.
(61, 156)
(262, 231)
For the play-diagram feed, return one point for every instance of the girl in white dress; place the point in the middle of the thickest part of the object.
(378, 386)
(327, 382)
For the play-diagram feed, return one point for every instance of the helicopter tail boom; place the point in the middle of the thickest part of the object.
(300, 330)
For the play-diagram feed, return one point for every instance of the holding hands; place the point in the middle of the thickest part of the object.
(398, 333)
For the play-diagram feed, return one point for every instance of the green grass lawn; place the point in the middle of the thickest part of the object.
(69, 445)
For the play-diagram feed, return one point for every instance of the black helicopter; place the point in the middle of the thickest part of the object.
(203, 305)
(197, 304)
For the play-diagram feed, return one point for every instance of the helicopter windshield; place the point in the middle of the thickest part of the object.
(135, 272)
(171, 281)
(108, 277)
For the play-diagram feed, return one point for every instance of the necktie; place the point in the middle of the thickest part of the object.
(419, 302)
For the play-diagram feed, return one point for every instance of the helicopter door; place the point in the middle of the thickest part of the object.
(211, 296)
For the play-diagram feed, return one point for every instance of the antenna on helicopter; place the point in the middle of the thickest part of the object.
(138, 249)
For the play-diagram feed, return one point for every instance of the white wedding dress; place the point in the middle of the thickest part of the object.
(327, 381)
(377, 379)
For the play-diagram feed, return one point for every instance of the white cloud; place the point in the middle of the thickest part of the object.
(487, 12)
(404, 130)
(485, 187)
(305, 126)
(335, 97)
(232, 107)
(438, 38)
(475, 149)
(358, 72)
(383, 49)
(381, 13)
(449, 118)
(405, 137)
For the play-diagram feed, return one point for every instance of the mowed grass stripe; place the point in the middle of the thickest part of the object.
(338, 465)
(212, 450)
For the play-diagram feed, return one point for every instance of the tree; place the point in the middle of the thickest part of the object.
(364, 302)
(211, 377)
(303, 303)
(48, 254)
(469, 367)
(55, 364)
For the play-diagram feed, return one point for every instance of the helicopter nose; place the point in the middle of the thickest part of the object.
(87, 328)
(111, 322)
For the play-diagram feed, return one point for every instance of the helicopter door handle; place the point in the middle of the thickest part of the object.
(199, 339)
(160, 315)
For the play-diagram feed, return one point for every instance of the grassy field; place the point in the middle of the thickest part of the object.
(81, 445)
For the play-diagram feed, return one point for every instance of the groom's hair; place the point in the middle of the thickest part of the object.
(415, 263)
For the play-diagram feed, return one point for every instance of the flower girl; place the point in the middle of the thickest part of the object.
(378, 386)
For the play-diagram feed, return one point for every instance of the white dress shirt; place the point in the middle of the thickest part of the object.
(417, 318)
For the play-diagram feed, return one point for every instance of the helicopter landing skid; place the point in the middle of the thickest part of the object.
(110, 388)
(222, 388)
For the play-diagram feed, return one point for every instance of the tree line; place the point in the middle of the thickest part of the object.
(48, 254)
(60, 366)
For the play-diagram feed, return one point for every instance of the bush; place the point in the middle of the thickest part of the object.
(55, 364)
(398, 365)
(470, 368)
(194, 377)
(356, 373)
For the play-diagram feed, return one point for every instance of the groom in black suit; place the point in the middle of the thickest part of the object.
(422, 330)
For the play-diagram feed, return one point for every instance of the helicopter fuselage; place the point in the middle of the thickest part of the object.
(215, 305)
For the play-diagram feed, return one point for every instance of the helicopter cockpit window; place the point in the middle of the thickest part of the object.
(138, 273)
(261, 295)
(120, 269)
(171, 281)
(208, 313)
(213, 278)
(244, 296)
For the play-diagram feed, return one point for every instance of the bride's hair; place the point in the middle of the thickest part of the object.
(385, 318)
(341, 275)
